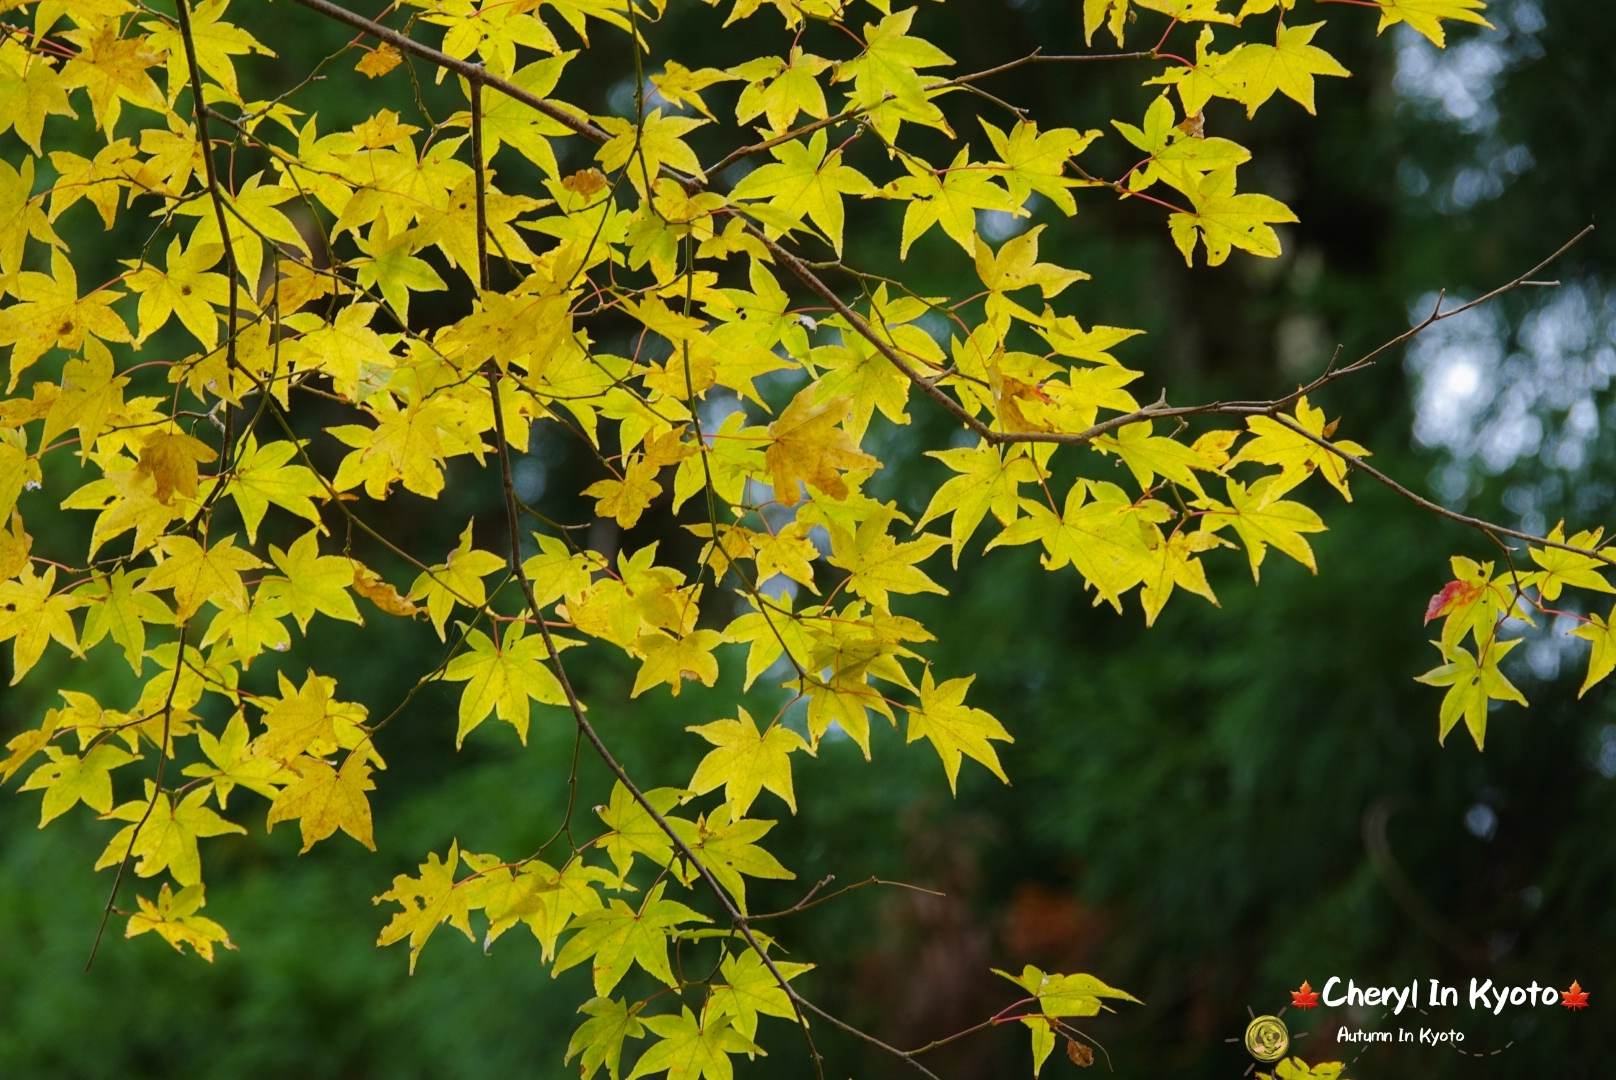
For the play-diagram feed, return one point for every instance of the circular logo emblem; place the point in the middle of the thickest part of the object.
(1267, 1038)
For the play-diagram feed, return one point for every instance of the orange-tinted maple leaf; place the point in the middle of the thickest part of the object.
(1306, 997)
(1574, 998)
(1454, 594)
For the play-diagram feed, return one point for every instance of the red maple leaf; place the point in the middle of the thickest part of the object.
(1454, 594)
(1306, 997)
(1574, 998)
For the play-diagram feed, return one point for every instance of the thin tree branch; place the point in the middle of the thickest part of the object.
(473, 73)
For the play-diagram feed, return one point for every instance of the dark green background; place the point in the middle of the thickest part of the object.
(1187, 816)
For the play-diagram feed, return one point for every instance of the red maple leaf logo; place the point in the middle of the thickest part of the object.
(1574, 998)
(1306, 997)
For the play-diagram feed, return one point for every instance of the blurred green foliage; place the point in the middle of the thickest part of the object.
(1194, 807)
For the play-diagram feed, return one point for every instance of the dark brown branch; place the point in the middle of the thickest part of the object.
(482, 184)
(1437, 314)
(199, 104)
(808, 901)
(1487, 527)
(151, 804)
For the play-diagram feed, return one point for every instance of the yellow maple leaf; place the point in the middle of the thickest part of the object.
(68, 780)
(1224, 220)
(643, 149)
(185, 288)
(746, 762)
(262, 476)
(379, 61)
(324, 799)
(1297, 455)
(1473, 681)
(51, 314)
(672, 660)
(805, 181)
(1262, 518)
(876, 564)
(628, 498)
(90, 390)
(197, 574)
(427, 901)
(30, 90)
(1426, 16)
(33, 613)
(173, 917)
(313, 582)
(231, 762)
(170, 458)
(1288, 66)
(215, 42)
(954, 728)
(808, 444)
(164, 834)
(457, 580)
(504, 677)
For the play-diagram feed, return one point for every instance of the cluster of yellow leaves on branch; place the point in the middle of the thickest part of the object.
(1485, 601)
(267, 267)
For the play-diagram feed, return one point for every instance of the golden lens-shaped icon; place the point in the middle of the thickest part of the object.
(1267, 1038)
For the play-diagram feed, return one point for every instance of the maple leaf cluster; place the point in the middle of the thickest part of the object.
(169, 409)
